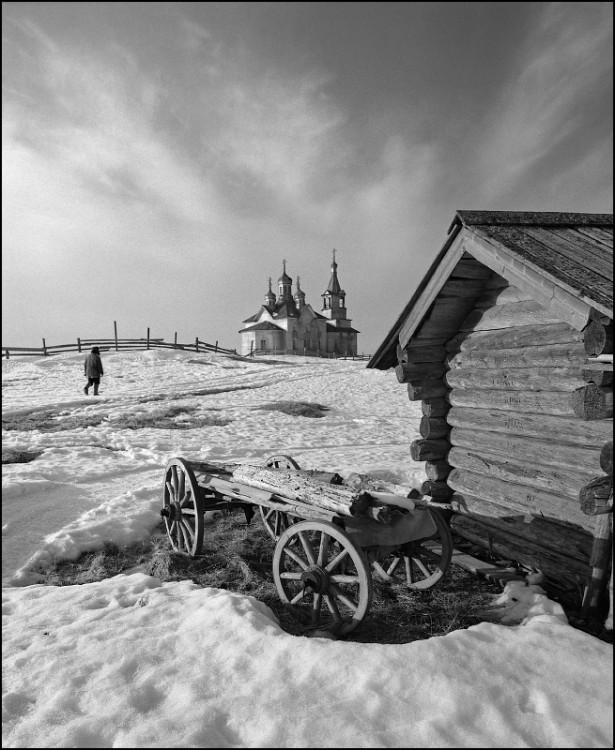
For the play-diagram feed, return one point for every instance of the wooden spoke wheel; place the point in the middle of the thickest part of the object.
(276, 521)
(323, 576)
(281, 462)
(182, 507)
(419, 564)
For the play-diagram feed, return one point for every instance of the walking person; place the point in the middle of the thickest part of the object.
(93, 370)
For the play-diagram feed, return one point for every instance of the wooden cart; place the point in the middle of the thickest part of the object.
(329, 538)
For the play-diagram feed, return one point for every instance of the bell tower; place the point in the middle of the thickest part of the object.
(334, 299)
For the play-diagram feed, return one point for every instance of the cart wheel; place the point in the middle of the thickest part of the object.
(422, 563)
(276, 521)
(182, 508)
(281, 462)
(323, 576)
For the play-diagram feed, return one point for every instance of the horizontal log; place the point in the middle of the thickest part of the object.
(429, 450)
(551, 429)
(508, 468)
(520, 499)
(594, 496)
(501, 296)
(437, 470)
(407, 372)
(439, 491)
(571, 541)
(598, 338)
(537, 402)
(508, 315)
(535, 334)
(544, 356)
(421, 353)
(434, 427)
(291, 486)
(519, 379)
(592, 402)
(426, 389)
(574, 458)
(563, 576)
(606, 458)
(435, 407)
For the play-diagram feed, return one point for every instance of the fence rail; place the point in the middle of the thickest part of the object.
(114, 344)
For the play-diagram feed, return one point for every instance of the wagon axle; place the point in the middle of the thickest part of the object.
(316, 579)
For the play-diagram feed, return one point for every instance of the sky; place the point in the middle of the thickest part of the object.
(161, 160)
(132, 661)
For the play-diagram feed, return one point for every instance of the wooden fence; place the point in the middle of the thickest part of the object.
(114, 344)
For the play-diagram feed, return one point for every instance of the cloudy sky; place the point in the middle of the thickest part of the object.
(161, 160)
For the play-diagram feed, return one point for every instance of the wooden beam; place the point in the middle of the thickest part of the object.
(549, 355)
(423, 389)
(510, 468)
(551, 429)
(598, 339)
(592, 402)
(537, 402)
(434, 427)
(515, 336)
(508, 315)
(517, 379)
(519, 499)
(435, 407)
(429, 450)
(594, 496)
(606, 458)
(573, 458)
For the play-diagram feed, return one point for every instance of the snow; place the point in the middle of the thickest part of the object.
(134, 662)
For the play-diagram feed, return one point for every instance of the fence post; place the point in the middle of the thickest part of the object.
(175, 341)
(44, 348)
(196, 344)
(115, 332)
(7, 353)
(148, 338)
(79, 344)
(216, 349)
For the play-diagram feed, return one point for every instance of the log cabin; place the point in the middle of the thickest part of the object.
(508, 344)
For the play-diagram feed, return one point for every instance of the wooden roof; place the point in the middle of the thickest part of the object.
(564, 260)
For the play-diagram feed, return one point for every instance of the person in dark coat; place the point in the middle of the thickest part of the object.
(93, 370)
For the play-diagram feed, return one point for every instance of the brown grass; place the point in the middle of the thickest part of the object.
(238, 557)
(296, 408)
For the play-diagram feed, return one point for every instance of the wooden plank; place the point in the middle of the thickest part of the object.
(431, 290)
(517, 470)
(519, 379)
(548, 355)
(576, 247)
(564, 430)
(515, 337)
(519, 499)
(574, 458)
(536, 402)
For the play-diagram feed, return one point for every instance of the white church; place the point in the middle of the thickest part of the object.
(287, 324)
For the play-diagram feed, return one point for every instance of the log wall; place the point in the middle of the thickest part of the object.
(514, 422)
